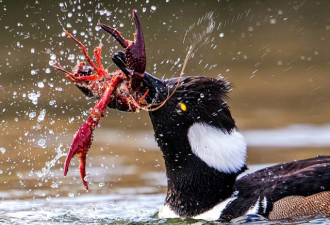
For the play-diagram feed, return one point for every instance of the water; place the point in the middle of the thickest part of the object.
(124, 206)
(274, 52)
(91, 209)
(95, 210)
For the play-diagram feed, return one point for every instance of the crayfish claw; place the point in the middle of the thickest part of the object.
(138, 50)
(82, 168)
(115, 33)
(135, 54)
(79, 147)
(67, 161)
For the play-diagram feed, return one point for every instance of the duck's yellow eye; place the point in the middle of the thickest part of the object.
(181, 108)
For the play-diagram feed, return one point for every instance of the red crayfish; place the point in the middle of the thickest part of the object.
(122, 89)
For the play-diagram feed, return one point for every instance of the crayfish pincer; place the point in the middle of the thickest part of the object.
(122, 89)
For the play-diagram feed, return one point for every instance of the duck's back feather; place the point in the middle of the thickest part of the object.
(264, 187)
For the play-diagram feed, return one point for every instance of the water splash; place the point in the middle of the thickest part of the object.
(193, 34)
(42, 115)
(50, 164)
(34, 97)
(2, 150)
(197, 38)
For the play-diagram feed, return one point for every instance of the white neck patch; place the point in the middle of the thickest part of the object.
(224, 152)
(210, 215)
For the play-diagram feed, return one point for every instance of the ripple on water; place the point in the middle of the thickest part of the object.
(100, 209)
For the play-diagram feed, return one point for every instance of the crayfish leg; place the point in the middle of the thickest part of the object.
(83, 48)
(83, 138)
(68, 75)
(97, 54)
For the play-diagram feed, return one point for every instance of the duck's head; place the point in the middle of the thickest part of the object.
(195, 122)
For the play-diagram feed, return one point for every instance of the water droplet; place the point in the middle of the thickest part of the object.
(3, 150)
(41, 84)
(52, 102)
(42, 115)
(42, 143)
(54, 185)
(221, 35)
(31, 173)
(71, 119)
(47, 70)
(201, 95)
(71, 57)
(34, 97)
(101, 184)
(33, 72)
(32, 50)
(53, 56)
(32, 115)
(71, 195)
(272, 21)
(153, 8)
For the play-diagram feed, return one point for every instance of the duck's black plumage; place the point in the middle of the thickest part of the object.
(194, 187)
(190, 180)
(303, 178)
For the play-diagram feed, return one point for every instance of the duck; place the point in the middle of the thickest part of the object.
(205, 156)
(203, 150)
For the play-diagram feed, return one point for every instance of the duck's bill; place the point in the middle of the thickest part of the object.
(157, 89)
